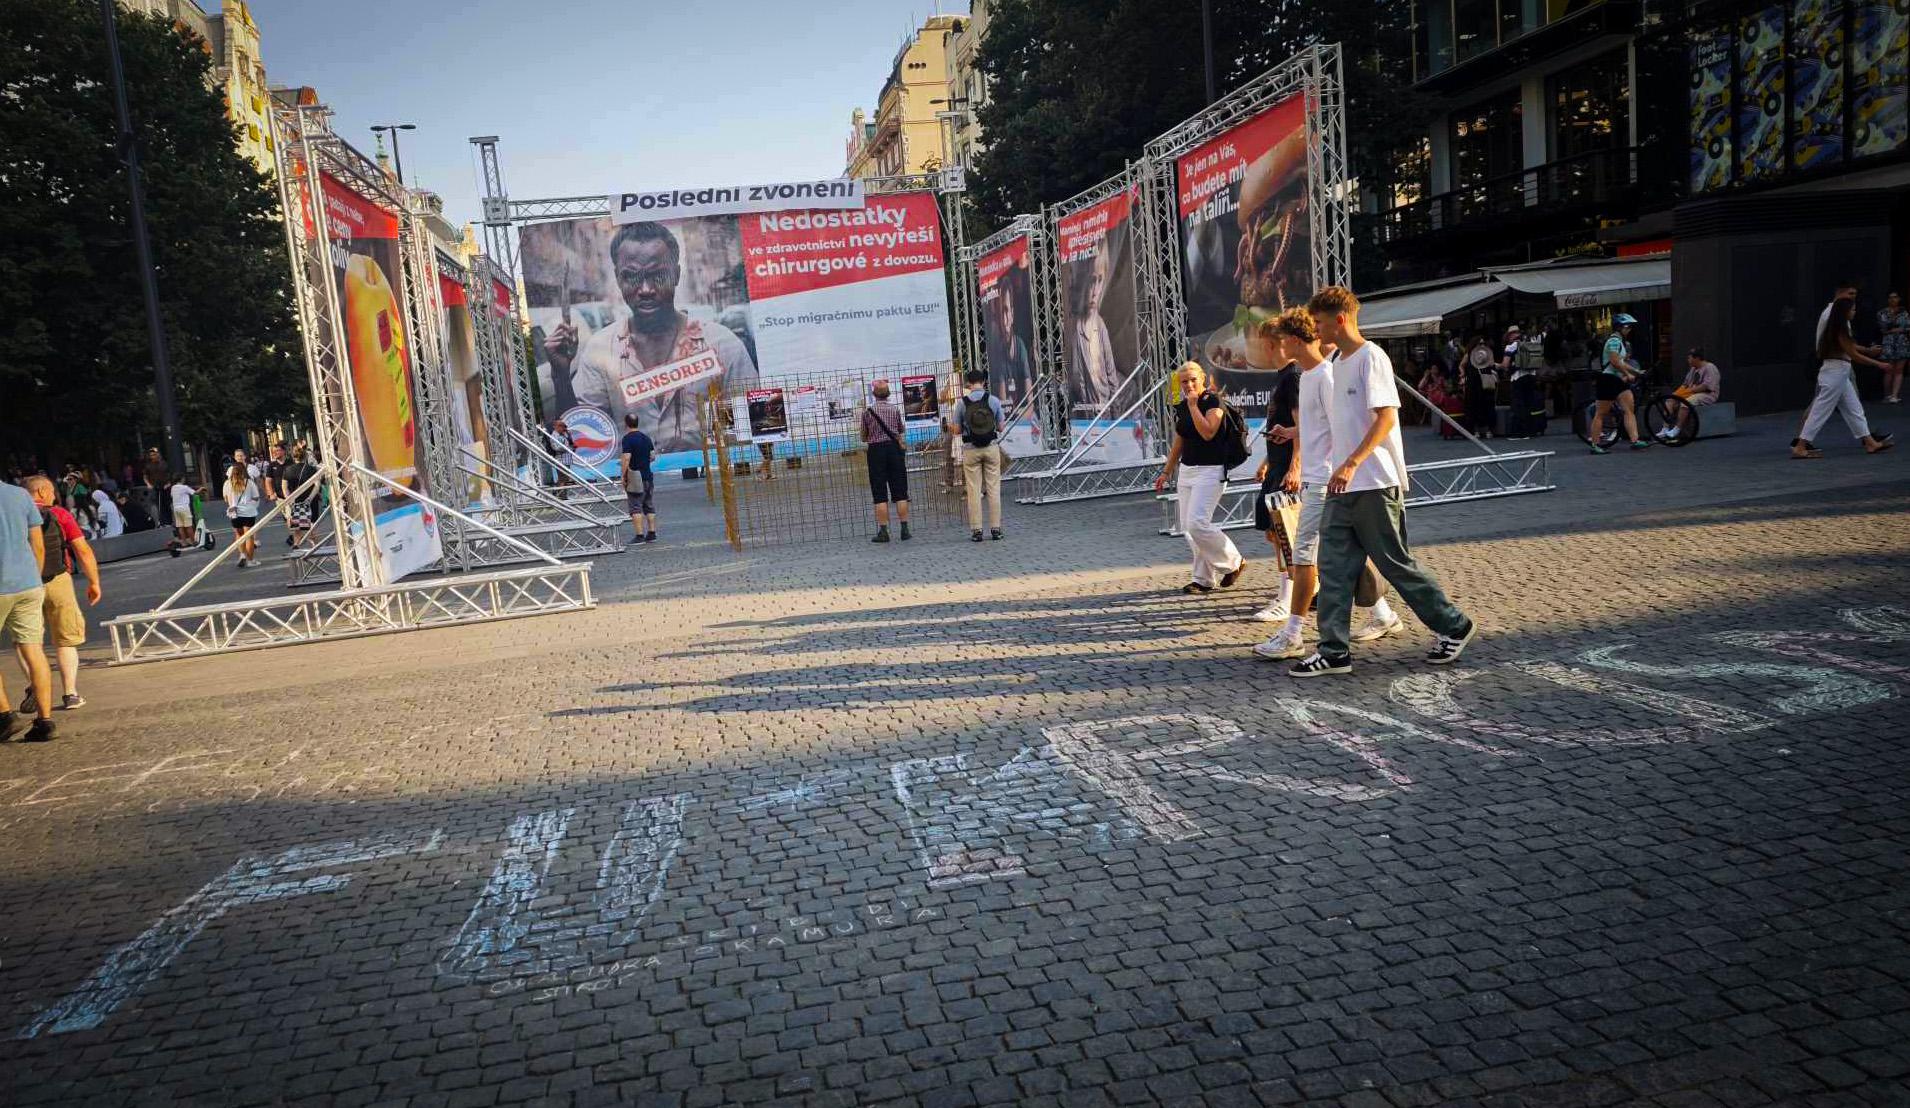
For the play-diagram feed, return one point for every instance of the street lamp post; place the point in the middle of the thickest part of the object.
(397, 156)
(143, 250)
(955, 116)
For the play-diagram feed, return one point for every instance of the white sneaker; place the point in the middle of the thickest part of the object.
(1373, 630)
(1275, 612)
(1287, 644)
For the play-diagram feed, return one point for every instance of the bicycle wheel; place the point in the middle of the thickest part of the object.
(1671, 421)
(1582, 421)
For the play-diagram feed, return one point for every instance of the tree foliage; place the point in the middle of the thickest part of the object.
(75, 364)
(1078, 87)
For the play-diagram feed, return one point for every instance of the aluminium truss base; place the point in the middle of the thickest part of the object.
(1087, 482)
(1448, 482)
(353, 613)
(564, 538)
(1025, 465)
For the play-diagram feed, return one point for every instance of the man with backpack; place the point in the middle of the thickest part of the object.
(66, 551)
(978, 418)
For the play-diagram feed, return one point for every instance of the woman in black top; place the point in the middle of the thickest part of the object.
(1198, 459)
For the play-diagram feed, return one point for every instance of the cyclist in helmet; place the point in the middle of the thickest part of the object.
(1617, 372)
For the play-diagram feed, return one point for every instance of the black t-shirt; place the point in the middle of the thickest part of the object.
(1196, 451)
(1286, 400)
(275, 472)
(638, 446)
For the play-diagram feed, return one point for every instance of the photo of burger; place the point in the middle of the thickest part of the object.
(1246, 238)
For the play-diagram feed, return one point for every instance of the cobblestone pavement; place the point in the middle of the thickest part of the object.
(1015, 823)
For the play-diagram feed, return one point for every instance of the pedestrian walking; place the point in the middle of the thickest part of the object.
(1365, 512)
(1837, 352)
(1206, 444)
(64, 550)
(303, 509)
(1893, 323)
(883, 432)
(978, 418)
(22, 608)
(1280, 471)
(242, 508)
(639, 480)
(1308, 470)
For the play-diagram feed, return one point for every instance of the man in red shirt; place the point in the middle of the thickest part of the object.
(66, 547)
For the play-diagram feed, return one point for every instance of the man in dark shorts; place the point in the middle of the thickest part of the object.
(639, 482)
(885, 434)
(1279, 434)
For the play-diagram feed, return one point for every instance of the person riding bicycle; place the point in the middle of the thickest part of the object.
(1617, 373)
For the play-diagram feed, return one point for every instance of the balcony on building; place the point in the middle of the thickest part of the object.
(1530, 155)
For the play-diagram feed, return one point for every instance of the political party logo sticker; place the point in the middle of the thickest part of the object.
(592, 437)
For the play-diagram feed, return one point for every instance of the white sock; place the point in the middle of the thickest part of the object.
(1294, 623)
(1383, 611)
(1284, 595)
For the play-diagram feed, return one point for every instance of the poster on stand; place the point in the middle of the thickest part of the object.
(1246, 246)
(641, 317)
(1005, 292)
(1101, 335)
(466, 381)
(365, 260)
(921, 406)
(768, 415)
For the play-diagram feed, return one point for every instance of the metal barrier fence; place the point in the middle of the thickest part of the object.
(794, 468)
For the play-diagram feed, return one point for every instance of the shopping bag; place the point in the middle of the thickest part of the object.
(1283, 510)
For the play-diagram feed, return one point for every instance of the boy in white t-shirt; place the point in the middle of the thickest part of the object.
(1307, 476)
(1366, 499)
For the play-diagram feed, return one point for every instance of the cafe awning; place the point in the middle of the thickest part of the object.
(1592, 285)
(1410, 312)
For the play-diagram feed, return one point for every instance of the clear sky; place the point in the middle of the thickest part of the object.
(594, 96)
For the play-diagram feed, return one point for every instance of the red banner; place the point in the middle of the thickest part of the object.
(1079, 234)
(351, 216)
(450, 290)
(791, 252)
(1209, 169)
(990, 267)
(501, 297)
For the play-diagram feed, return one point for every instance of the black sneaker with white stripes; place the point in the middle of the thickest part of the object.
(1317, 664)
(1447, 648)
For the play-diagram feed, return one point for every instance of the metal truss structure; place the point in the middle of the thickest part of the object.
(1314, 73)
(1449, 482)
(1055, 486)
(350, 613)
(310, 156)
(1044, 402)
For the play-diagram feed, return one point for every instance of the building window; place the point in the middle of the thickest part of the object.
(1591, 107)
(1410, 174)
(1475, 27)
(1487, 141)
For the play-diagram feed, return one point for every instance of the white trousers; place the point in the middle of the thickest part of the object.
(1198, 494)
(1836, 392)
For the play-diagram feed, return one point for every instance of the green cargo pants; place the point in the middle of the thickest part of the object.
(1372, 524)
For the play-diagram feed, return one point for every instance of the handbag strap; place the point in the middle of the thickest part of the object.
(871, 413)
